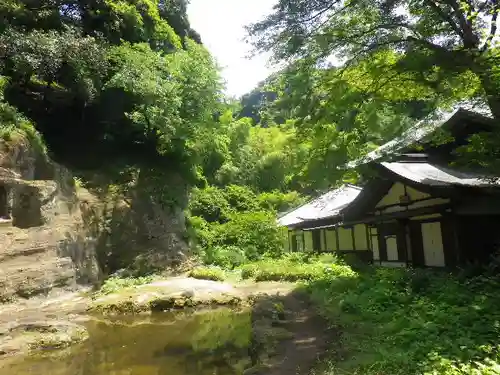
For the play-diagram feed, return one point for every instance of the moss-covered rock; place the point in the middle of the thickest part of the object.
(24, 337)
(170, 294)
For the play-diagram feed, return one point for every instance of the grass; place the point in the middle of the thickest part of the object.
(293, 268)
(116, 284)
(398, 321)
(22, 132)
(208, 273)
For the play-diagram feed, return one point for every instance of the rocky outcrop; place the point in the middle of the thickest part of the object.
(43, 239)
(176, 293)
(55, 234)
(24, 337)
(37, 260)
(135, 231)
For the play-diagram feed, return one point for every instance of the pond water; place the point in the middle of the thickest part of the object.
(209, 343)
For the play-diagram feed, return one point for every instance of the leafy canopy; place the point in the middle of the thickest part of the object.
(109, 83)
(433, 42)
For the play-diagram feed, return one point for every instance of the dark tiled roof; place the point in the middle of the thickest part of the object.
(434, 175)
(326, 205)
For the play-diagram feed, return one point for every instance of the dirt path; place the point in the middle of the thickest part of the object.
(308, 338)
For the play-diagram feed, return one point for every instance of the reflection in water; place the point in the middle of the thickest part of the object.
(210, 343)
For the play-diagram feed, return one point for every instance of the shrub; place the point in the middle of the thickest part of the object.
(280, 202)
(115, 284)
(241, 198)
(285, 272)
(208, 273)
(248, 271)
(299, 257)
(210, 204)
(256, 233)
(287, 269)
(224, 256)
(355, 261)
(201, 231)
(404, 321)
(227, 222)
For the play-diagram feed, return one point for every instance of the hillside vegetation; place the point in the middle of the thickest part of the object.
(125, 95)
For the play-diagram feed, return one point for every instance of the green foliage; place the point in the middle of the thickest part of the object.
(201, 231)
(210, 204)
(133, 92)
(395, 61)
(403, 321)
(225, 256)
(256, 233)
(481, 153)
(280, 202)
(341, 114)
(115, 284)
(214, 204)
(234, 225)
(293, 268)
(15, 129)
(430, 45)
(261, 158)
(241, 198)
(208, 273)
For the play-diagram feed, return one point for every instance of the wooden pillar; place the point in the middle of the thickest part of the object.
(369, 240)
(324, 240)
(337, 238)
(458, 248)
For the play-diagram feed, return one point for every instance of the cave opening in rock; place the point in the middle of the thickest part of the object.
(4, 205)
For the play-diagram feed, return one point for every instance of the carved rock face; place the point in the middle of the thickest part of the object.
(44, 245)
(61, 235)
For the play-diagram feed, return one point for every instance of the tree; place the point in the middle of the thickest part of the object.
(434, 42)
(256, 101)
(175, 13)
(340, 114)
(109, 83)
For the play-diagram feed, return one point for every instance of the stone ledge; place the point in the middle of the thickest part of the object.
(5, 223)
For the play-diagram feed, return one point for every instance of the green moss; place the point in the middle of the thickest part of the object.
(134, 300)
(117, 284)
(208, 273)
(119, 307)
(55, 338)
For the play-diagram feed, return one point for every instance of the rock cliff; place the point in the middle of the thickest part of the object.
(55, 235)
(43, 241)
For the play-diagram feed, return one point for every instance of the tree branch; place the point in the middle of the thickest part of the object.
(429, 45)
(445, 17)
(483, 5)
(318, 27)
(469, 39)
(493, 28)
(321, 12)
